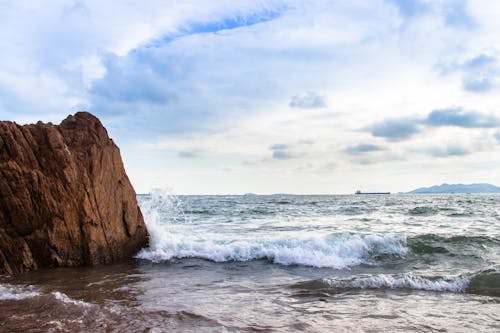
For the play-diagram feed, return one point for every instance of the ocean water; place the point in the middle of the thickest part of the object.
(283, 263)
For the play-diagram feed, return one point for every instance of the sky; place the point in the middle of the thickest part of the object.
(267, 96)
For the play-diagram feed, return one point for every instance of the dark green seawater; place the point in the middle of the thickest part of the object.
(283, 263)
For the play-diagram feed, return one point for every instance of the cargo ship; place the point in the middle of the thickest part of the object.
(359, 192)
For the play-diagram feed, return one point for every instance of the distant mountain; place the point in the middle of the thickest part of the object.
(458, 188)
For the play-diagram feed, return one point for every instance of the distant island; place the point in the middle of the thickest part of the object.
(457, 188)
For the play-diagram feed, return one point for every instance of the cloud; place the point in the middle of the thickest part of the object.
(477, 85)
(479, 62)
(283, 151)
(453, 13)
(133, 79)
(410, 8)
(447, 151)
(461, 118)
(364, 161)
(404, 128)
(234, 21)
(143, 58)
(363, 148)
(395, 129)
(479, 73)
(307, 142)
(194, 153)
(222, 76)
(279, 146)
(283, 155)
(497, 136)
(458, 16)
(309, 100)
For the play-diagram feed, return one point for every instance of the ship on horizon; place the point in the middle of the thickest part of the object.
(359, 192)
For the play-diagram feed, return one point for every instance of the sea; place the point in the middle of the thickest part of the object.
(282, 263)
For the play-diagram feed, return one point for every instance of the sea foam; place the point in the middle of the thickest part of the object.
(336, 250)
(62, 297)
(12, 292)
(404, 281)
(387, 281)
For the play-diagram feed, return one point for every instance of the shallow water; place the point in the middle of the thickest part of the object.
(283, 263)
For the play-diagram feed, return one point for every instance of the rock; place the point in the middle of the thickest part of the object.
(65, 199)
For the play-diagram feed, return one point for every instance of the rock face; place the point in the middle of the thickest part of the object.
(65, 199)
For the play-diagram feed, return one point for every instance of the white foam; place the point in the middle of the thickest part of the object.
(405, 281)
(337, 251)
(12, 292)
(66, 299)
(170, 239)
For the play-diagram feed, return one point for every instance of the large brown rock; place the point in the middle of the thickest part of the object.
(65, 199)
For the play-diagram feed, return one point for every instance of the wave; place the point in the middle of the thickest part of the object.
(485, 283)
(330, 250)
(16, 293)
(458, 239)
(432, 243)
(172, 240)
(66, 299)
(423, 211)
(355, 210)
(386, 281)
(334, 250)
(9, 292)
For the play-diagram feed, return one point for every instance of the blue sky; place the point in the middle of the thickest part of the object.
(267, 96)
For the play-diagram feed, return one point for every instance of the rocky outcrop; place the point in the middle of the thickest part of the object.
(65, 199)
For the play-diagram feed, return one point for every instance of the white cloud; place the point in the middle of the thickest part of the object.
(309, 100)
(221, 76)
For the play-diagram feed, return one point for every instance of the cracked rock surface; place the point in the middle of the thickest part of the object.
(65, 199)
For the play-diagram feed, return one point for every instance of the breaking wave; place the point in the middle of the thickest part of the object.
(334, 250)
(12, 292)
(172, 237)
(66, 299)
(9, 292)
(386, 281)
(485, 283)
